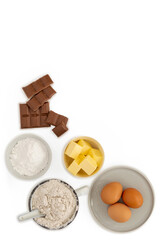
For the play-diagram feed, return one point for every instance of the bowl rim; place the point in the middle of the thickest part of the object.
(12, 143)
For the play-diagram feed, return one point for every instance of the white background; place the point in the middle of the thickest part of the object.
(104, 58)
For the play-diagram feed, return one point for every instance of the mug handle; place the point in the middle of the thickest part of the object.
(82, 191)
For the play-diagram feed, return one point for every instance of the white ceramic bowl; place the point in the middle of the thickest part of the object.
(10, 147)
(128, 177)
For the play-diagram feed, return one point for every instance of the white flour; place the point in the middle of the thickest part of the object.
(29, 156)
(57, 201)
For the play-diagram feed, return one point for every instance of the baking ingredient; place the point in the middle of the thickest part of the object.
(59, 121)
(85, 157)
(96, 155)
(29, 156)
(132, 198)
(73, 150)
(40, 98)
(85, 146)
(119, 212)
(60, 129)
(111, 193)
(75, 167)
(31, 119)
(35, 113)
(57, 201)
(38, 85)
(88, 165)
(80, 158)
(55, 119)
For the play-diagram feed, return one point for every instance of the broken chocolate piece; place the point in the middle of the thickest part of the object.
(52, 118)
(60, 119)
(55, 119)
(37, 86)
(39, 99)
(34, 119)
(60, 129)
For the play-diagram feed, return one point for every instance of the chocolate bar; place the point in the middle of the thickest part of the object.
(34, 119)
(37, 86)
(39, 99)
(60, 129)
(55, 119)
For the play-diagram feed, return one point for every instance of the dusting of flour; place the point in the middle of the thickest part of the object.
(29, 156)
(57, 202)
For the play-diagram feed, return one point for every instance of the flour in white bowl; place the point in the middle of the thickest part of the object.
(29, 156)
(57, 202)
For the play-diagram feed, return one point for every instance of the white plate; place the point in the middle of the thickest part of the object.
(128, 177)
(10, 147)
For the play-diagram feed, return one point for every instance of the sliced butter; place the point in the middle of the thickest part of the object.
(85, 146)
(74, 168)
(80, 158)
(96, 155)
(88, 165)
(73, 150)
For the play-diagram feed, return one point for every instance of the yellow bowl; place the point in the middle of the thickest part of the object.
(94, 144)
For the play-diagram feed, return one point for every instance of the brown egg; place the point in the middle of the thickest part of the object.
(132, 198)
(119, 212)
(111, 193)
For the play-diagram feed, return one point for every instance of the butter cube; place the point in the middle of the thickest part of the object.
(96, 155)
(74, 167)
(80, 158)
(85, 146)
(73, 150)
(88, 165)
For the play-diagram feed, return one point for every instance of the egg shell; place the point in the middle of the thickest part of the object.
(119, 212)
(132, 198)
(111, 193)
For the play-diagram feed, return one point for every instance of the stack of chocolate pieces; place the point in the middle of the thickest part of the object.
(36, 113)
